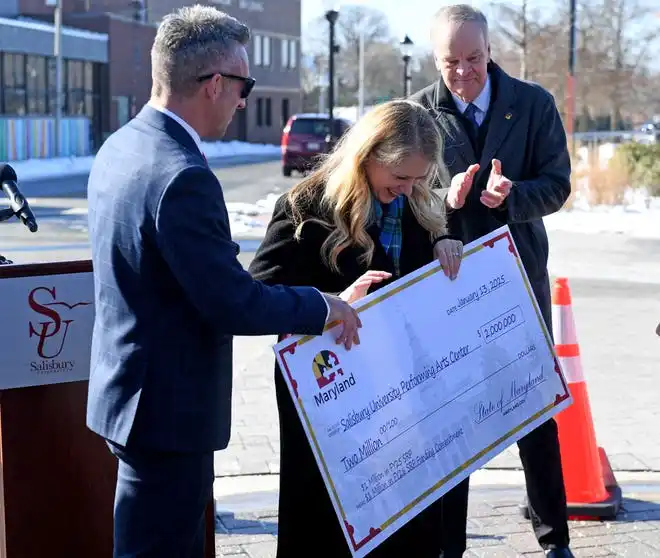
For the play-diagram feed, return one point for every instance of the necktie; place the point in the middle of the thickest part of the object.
(471, 114)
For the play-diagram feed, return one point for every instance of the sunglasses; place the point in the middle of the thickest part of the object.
(248, 82)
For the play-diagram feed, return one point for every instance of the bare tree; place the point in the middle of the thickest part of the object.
(624, 37)
(424, 72)
(519, 25)
(353, 21)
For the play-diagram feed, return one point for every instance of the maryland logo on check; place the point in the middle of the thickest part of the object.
(326, 368)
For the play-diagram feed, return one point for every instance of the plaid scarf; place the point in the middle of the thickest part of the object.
(388, 218)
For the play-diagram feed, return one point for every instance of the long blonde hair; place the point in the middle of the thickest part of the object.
(387, 133)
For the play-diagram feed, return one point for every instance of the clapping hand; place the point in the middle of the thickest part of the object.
(498, 187)
(460, 187)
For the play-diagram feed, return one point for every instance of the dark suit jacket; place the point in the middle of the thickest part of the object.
(170, 293)
(525, 133)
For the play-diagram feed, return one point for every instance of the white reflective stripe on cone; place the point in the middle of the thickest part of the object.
(572, 369)
(563, 325)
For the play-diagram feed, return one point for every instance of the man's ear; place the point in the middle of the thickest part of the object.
(216, 87)
(489, 55)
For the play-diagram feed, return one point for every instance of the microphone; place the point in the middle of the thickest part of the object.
(17, 202)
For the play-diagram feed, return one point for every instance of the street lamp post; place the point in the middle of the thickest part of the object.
(570, 89)
(331, 14)
(406, 50)
(57, 53)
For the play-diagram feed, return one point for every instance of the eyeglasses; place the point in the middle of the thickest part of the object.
(248, 82)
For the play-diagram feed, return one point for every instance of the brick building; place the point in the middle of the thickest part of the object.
(106, 68)
(274, 62)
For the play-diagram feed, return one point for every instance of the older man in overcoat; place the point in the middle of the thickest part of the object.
(509, 164)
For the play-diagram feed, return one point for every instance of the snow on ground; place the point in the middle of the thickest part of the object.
(250, 220)
(52, 168)
(637, 217)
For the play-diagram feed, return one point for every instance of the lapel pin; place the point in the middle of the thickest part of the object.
(508, 116)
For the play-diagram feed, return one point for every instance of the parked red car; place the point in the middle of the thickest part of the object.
(305, 137)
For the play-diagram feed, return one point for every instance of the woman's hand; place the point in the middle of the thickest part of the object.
(361, 286)
(449, 253)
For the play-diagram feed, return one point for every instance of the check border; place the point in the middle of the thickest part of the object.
(559, 398)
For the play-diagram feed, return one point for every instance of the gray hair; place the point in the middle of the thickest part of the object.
(459, 13)
(189, 42)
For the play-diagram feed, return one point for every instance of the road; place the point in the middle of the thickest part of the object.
(615, 281)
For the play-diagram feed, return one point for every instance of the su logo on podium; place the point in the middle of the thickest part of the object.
(52, 329)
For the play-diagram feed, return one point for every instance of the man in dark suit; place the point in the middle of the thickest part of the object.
(506, 151)
(170, 292)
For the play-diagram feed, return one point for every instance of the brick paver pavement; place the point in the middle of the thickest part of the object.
(495, 529)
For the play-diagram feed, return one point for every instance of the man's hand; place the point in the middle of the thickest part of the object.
(460, 187)
(498, 187)
(341, 311)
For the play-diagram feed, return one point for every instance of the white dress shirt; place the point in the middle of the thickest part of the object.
(481, 103)
(198, 141)
(187, 127)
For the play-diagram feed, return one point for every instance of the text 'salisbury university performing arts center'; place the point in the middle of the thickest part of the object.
(106, 73)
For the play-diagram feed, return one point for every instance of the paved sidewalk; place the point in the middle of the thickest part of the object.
(495, 527)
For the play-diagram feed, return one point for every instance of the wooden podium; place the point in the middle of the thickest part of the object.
(57, 478)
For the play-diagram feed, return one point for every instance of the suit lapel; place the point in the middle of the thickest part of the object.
(502, 117)
(457, 142)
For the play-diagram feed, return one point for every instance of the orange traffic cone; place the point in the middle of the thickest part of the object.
(591, 488)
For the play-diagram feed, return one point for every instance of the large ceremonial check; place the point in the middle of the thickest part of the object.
(447, 375)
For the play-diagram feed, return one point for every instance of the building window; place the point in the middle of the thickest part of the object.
(75, 87)
(285, 53)
(13, 84)
(289, 56)
(91, 86)
(269, 112)
(266, 51)
(37, 88)
(285, 112)
(293, 54)
(52, 85)
(260, 112)
(261, 50)
(257, 50)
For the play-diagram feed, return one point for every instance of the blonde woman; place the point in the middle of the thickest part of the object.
(364, 218)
